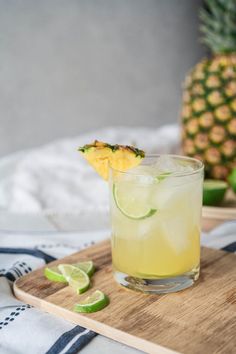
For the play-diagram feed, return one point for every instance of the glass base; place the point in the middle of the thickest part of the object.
(158, 286)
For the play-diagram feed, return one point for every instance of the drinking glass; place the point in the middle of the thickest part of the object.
(156, 223)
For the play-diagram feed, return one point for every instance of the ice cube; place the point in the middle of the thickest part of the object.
(167, 164)
(177, 231)
(140, 174)
(140, 170)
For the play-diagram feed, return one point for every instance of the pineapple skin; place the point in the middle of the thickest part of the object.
(209, 115)
(101, 156)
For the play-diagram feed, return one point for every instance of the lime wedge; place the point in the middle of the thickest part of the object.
(87, 267)
(232, 179)
(132, 201)
(76, 277)
(54, 274)
(162, 176)
(213, 191)
(95, 302)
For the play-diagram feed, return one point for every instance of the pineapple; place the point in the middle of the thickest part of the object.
(102, 155)
(209, 97)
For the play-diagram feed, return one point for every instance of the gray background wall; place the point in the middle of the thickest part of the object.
(71, 66)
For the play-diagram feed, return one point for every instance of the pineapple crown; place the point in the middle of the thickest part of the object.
(219, 25)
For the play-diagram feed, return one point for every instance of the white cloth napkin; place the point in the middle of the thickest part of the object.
(26, 330)
(55, 178)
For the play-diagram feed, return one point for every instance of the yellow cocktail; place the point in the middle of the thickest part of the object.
(155, 214)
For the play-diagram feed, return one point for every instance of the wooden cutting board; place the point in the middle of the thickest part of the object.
(201, 319)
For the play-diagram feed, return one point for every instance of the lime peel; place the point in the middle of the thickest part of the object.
(213, 191)
(87, 267)
(54, 274)
(232, 179)
(93, 303)
(143, 215)
(76, 277)
(163, 176)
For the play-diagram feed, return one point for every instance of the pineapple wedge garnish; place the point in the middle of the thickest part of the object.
(101, 155)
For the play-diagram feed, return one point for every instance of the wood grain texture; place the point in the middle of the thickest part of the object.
(201, 319)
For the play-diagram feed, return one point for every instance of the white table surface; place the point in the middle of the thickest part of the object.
(39, 222)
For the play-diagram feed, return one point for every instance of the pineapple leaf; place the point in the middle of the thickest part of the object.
(206, 18)
(218, 20)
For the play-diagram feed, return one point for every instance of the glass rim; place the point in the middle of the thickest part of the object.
(175, 174)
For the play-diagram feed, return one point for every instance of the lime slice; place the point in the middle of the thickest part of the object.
(132, 200)
(76, 277)
(162, 176)
(213, 191)
(54, 274)
(95, 302)
(232, 179)
(87, 267)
